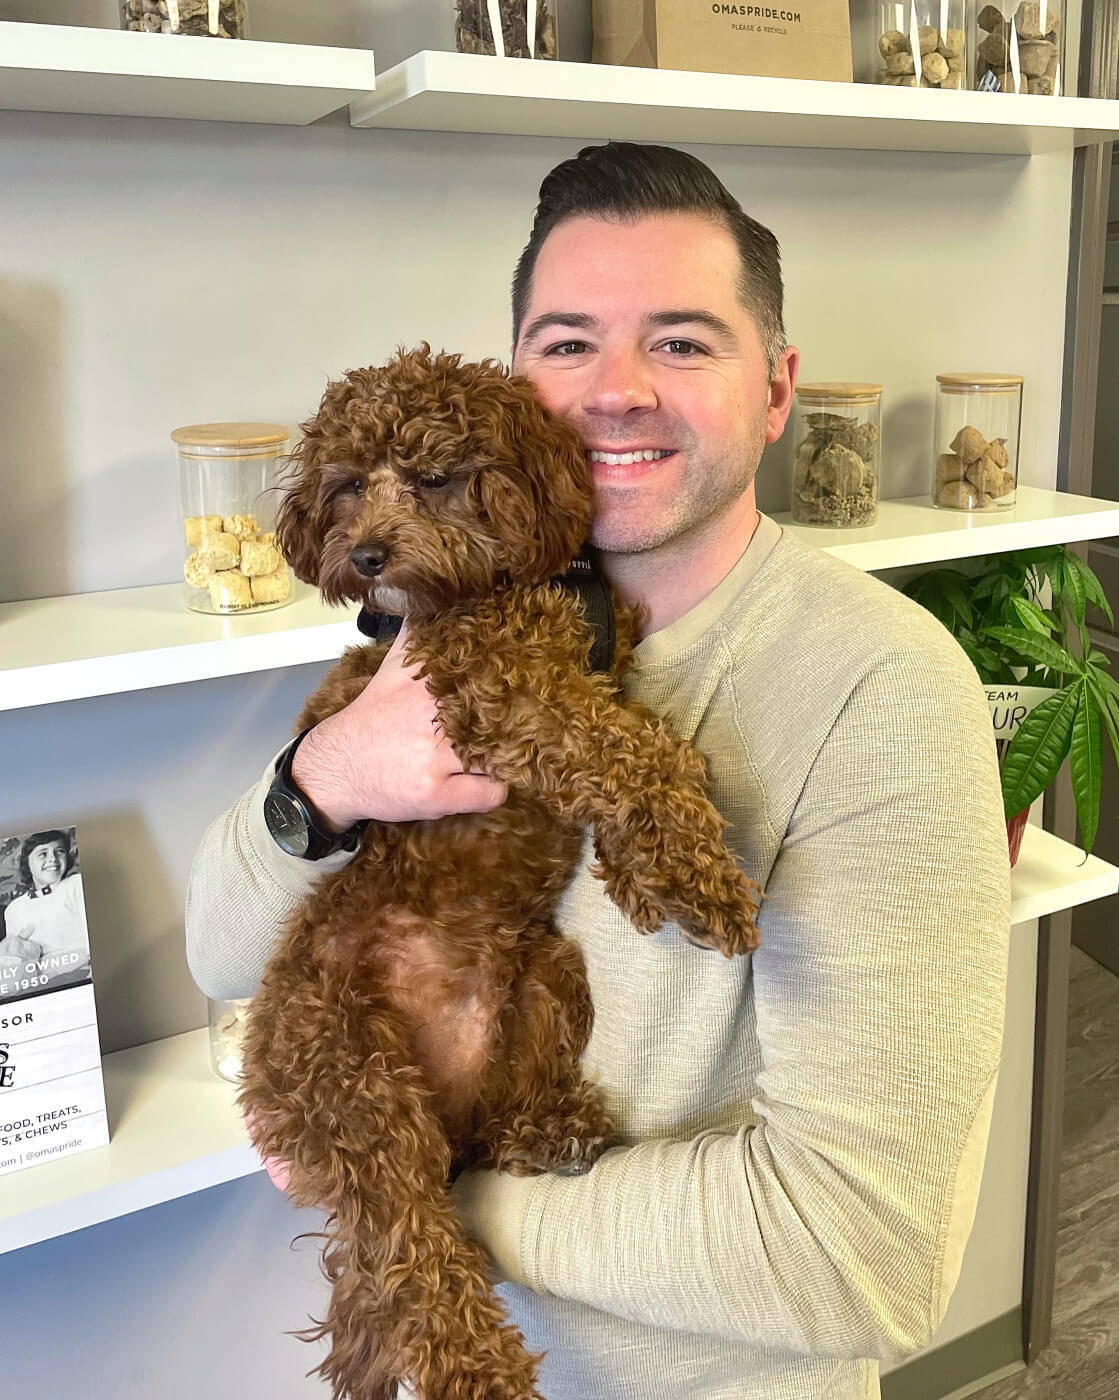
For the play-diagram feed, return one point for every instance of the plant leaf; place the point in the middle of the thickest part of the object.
(1038, 749)
(957, 595)
(1086, 764)
(1072, 587)
(1040, 649)
(1092, 586)
(1031, 616)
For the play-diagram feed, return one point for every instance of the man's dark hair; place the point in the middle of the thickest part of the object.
(624, 181)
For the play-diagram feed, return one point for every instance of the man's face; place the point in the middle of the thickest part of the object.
(635, 334)
(47, 862)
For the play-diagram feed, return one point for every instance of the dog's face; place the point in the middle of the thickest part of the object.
(428, 482)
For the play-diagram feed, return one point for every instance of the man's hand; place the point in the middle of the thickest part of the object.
(385, 757)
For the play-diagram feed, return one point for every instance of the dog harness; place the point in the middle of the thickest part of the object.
(580, 577)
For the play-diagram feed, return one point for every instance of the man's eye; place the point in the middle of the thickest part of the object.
(689, 347)
(560, 350)
(432, 483)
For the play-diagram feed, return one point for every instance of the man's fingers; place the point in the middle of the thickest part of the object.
(474, 792)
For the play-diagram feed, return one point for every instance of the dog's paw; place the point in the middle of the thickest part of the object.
(727, 925)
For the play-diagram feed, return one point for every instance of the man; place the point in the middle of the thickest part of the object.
(804, 1129)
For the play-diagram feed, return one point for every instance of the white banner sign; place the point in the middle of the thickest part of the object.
(1010, 704)
(52, 1098)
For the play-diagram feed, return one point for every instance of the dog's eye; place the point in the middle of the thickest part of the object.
(432, 483)
(357, 487)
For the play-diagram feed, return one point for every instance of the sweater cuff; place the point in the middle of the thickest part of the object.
(493, 1207)
(292, 874)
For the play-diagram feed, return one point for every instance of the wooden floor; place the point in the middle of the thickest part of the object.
(1082, 1363)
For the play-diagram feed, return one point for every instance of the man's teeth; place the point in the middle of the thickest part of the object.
(626, 459)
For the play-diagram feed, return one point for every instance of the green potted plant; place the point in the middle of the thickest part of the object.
(1013, 640)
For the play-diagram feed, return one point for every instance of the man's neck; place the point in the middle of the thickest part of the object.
(672, 579)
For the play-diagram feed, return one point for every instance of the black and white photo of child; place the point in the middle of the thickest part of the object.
(45, 941)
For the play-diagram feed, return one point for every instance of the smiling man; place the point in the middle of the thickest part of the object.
(803, 1130)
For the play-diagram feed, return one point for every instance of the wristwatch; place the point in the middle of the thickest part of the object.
(293, 821)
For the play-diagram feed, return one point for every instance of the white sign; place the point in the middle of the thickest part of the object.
(1010, 704)
(52, 1098)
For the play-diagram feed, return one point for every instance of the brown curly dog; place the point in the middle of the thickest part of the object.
(420, 1013)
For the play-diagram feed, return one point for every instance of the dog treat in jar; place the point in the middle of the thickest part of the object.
(975, 444)
(506, 28)
(837, 437)
(1019, 49)
(227, 476)
(218, 19)
(921, 44)
(227, 1027)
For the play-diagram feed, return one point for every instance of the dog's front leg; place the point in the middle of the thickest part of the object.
(564, 737)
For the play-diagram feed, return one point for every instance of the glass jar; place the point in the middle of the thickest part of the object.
(1018, 49)
(227, 1027)
(220, 19)
(837, 431)
(527, 28)
(922, 43)
(226, 472)
(978, 417)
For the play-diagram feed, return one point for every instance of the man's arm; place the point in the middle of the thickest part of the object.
(836, 1223)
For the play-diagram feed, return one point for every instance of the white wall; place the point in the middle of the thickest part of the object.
(160, 273)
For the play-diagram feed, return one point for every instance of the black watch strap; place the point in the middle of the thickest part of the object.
(293, 821)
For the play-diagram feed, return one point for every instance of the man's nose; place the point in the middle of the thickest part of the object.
(619, 381)
(369, 557)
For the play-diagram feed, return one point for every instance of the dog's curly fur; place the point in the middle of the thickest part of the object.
(420, 1014)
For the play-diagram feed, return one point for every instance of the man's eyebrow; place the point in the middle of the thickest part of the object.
(583, 321)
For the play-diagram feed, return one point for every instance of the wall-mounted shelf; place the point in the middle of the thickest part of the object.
(110, 72)
(84, 644)
(176, 1129)
(472, 92)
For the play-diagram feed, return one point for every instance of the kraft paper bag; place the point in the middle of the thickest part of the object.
(781, 39)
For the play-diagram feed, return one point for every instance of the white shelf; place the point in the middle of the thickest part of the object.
(86, 644)
(912, 531)
(474, 92)
(111, 72)
(175, 1127)
(73, 647)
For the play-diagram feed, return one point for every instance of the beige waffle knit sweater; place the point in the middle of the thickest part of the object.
(804, 1129)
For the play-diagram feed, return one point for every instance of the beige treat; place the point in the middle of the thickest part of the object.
(1034, 21)
(243, 526)
(955, 65)
(928, 38)
(271, 588)
(1009, 83)
(948, 468)
(893, 41)
(997, 453)
(267, 537)
(197, 525)
(839, 469)
(953, 80)
(985, 476)
(970, 444)
(230, 589)
(258, 559)
(1033, 58)
(959, 495)
(196, 571)
(1054, 65)
(900, 65)
(934, 69)
(995, 49)
(952, 43)
(219, 550)
(990, 18)
(1040, 87)
(908, 80)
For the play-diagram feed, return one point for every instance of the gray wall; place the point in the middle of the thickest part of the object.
(156, 273)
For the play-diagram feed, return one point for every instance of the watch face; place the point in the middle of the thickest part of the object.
(286, 824)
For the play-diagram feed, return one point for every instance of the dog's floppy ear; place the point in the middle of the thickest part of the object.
(302, 519)
(539, 490)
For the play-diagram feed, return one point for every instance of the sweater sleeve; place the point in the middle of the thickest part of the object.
(834, 1220)
(241, 888)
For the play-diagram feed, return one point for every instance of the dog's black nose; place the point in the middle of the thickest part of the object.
(369, 559)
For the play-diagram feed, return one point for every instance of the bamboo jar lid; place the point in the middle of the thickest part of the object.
(959, 383)
(841, 391)
(229, 435)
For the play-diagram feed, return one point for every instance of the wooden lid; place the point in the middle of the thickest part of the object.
(850, 393)
(230, 435)
(981, 381)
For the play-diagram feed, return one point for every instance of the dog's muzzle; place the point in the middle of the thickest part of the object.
(369, 558)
